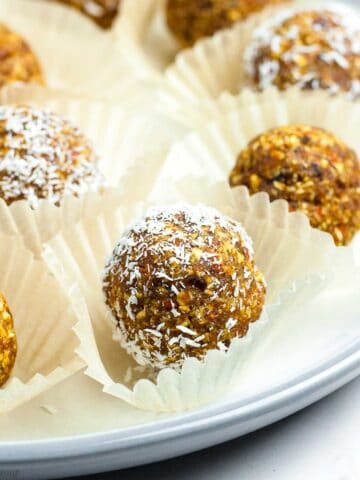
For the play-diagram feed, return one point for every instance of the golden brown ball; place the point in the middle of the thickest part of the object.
(191, 20)
(180, 282)
(8, 344)
(310, 168)
(315, 49)
(18, 63)
(42, 156)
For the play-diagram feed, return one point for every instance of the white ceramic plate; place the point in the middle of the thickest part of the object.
(76, 429)
(60, 457)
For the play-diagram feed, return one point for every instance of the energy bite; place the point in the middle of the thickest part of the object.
(314, 49)
(18, 63)
(42, 156)
(8, 343)
(103, 12)
(180, 282)
(190, 20)
(310, 168)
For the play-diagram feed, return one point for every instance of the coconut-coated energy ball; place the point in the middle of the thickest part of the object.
(314, 49)
(191, 20)
(8, 343)
(42, 156)
(18, 63)
(180, 282)
(310, 168)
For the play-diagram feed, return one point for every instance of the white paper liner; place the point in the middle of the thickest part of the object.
(44, 313)
(212, 149)
(122, 138)
(79, 254)
(38, 226)
(216, 65)
(151, 41)
(74, 53)
(293, 105)
(223, 128)
(117, 133)
(356, 247)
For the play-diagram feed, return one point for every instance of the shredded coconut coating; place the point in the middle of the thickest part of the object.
(316, 49)
(8, 343)
(18, 63)
(42, 156)
(103, 12)
(191, 20)
(310, 168)
(180, 282)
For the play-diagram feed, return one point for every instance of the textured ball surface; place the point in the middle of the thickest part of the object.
(8, 344)
(182, 281)
(317, 49)
(42, 156)
(310, 168)
(18, 63)
(191, 20)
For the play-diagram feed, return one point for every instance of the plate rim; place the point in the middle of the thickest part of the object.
(345, 366)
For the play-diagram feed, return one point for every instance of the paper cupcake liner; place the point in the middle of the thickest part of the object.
(216, 65)
(151, 39)
(44, 313)
(73, 52)
(223, 128)
(38, 226)
(123, 141)
(151, 42)
(78, 254)
(134, 21)
(212, 150)
(122, 137)
(137, 93)
(356, 247)
(292, 105)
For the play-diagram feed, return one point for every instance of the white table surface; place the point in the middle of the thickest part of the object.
(320, 443)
